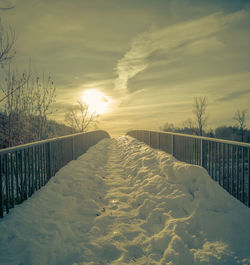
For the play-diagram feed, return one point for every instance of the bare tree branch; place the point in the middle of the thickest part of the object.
(199, 111)
(79, 118)
(240, 118)
(7, 41)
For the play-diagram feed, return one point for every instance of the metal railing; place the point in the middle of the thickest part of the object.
(26, 168)
(227, 162)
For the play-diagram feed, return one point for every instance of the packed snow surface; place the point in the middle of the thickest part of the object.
(125, 203)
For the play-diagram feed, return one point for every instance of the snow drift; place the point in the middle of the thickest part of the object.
(123, 202)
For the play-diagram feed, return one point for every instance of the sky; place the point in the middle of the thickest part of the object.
(149, 58)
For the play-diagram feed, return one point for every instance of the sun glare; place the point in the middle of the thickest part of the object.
(96, 101)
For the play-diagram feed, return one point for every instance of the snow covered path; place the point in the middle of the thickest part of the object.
(125, 203)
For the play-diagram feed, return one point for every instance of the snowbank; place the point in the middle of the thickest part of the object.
(123, 202)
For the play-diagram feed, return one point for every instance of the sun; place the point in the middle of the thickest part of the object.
(96, 101)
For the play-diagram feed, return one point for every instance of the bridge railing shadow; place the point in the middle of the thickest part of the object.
(26, 168)
(227, 162)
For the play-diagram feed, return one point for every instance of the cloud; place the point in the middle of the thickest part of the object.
(168, 39)
(234, 95)
(6, 4)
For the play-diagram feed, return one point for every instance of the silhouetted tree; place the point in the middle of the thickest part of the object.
(169, 127)
(227, 133)
(7, 41)
(240, 118)
(79, 118)
(44, 93)
(27, 105)
(199, 111)
(27, 98)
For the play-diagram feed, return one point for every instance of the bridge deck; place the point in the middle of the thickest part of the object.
(123, 202)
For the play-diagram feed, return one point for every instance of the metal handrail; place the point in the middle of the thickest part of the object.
(200, 137)
(227, 162)
(26, 168)
(23, 146)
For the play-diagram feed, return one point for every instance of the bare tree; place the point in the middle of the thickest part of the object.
(26, 109)
(199, 111)
(27, 98)
(43, 96)
(168, 127)
(7, 51)
(79, 118)
(188, 123)
(12, 131)
(240, 118)
(7, 41)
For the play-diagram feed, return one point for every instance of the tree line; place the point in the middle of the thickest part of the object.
(27, 100)
(197, 125)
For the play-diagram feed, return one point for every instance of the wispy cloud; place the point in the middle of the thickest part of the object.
(234, 95)
(167, 39)
(6, 4)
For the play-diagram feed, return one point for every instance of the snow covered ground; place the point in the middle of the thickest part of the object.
(125, 203)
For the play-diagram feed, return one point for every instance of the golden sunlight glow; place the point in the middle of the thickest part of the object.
(96, 101)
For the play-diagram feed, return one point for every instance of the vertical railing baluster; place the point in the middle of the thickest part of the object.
(248, 155)
(232, 170)
(35, 168)
(223, 165)
(17, 178)
(25, 175)
(6, 183)
(32, 170)
(51, 158)
(39, 167)
(237, 171)
(44, 165)
(228, 166)
(216, 162)
(42, 171)
(29, 172)
(195, 155)
(209, 151)
(21, 174)
(206, 153)
(48, 161)
(12, 201)
(219, 163)
(243, 176)
(213, 151)
(1, 188)
(158, 139)
(173, 145)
